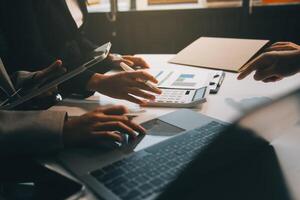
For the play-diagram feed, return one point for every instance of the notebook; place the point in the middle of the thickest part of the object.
(219, 53)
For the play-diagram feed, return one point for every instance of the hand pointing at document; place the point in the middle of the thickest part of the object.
(280, 60)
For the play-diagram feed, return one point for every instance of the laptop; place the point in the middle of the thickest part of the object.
(257, 156)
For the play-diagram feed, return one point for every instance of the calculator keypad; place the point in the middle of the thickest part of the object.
(175, 96)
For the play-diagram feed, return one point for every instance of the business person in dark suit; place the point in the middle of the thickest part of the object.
(27, 133)
(41, 31)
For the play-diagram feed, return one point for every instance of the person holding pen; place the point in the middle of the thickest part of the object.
(280, 60)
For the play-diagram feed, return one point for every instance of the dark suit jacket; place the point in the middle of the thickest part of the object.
(40, 31)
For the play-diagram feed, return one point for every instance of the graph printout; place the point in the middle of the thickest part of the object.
(181, 79)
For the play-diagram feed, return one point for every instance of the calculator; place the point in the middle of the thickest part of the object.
(179, 98)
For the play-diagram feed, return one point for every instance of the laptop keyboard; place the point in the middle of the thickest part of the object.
(148, 171)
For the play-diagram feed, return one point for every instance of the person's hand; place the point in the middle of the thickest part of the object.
(283, 46)
(53, 71)
(43, 76)
(273, 65)
(132, 61)
(125, 85)
(101, 127)
(33, 80)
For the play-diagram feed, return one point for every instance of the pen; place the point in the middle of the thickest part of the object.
(126, 68)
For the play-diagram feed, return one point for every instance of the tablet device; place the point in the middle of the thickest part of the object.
(25, 94)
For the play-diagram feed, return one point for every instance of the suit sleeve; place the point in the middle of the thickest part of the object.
(30, 133)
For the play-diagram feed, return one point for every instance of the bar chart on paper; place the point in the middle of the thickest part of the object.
(185, 80)
(180, 79)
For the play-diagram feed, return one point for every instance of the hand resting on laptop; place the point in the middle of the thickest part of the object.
(101, 127)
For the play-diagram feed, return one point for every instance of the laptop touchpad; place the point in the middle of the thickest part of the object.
(158, 127)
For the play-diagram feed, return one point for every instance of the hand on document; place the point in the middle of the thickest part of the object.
(280, 60)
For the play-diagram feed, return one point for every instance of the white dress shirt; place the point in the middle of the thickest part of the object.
(75, 12)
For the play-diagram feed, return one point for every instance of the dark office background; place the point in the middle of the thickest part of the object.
(168, 31)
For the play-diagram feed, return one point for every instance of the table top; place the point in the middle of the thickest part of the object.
(233, 100)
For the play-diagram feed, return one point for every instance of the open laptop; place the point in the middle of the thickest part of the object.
(207, 149)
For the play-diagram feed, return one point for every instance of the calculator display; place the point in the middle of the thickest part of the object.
(199, 94)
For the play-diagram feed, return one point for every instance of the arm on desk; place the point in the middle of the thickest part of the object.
(41, 132)
(30, 132)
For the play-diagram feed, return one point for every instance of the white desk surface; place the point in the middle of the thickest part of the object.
(233, 99)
